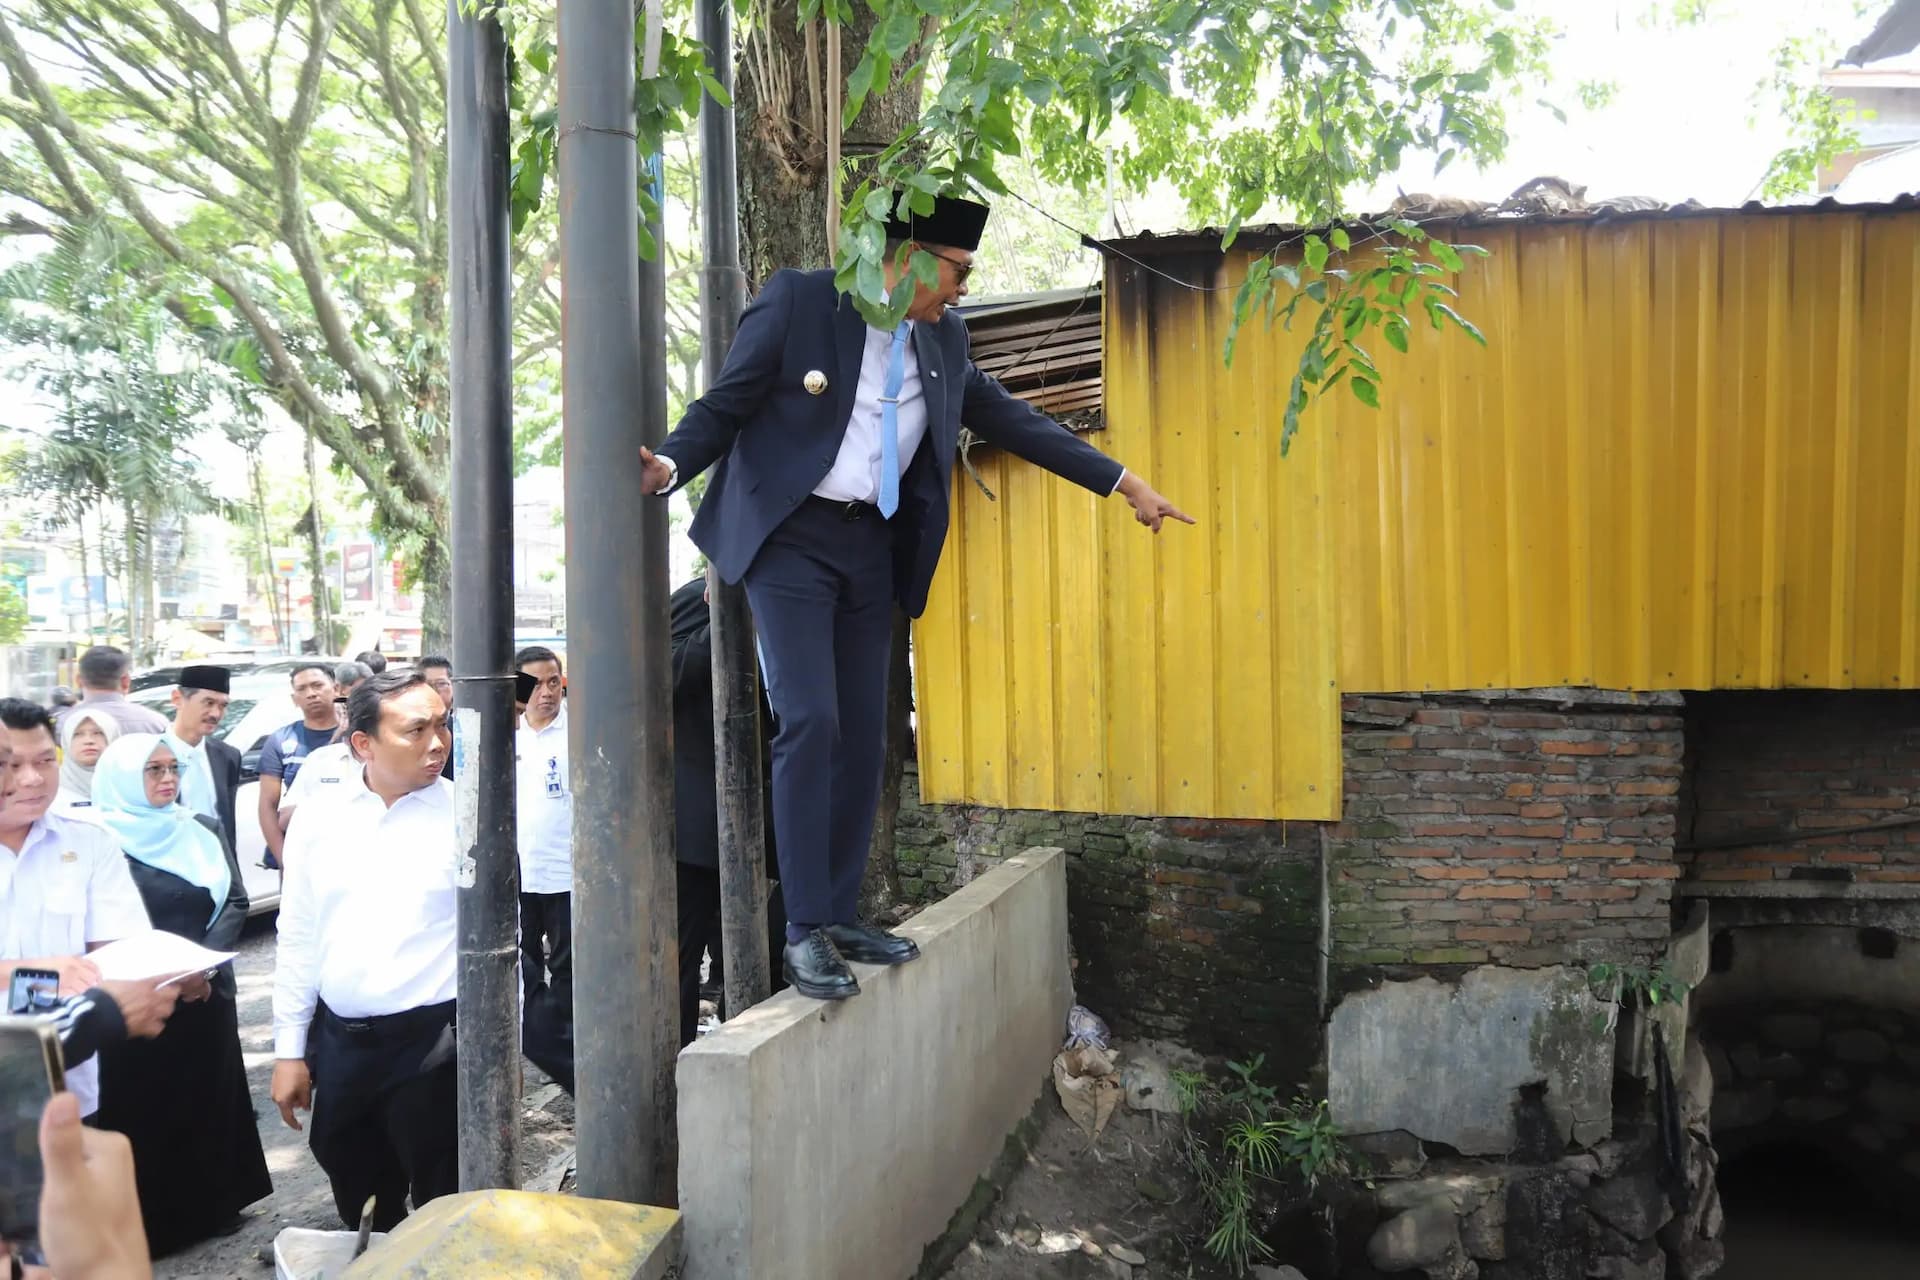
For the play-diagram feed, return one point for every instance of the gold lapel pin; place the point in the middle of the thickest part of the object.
(815, 382)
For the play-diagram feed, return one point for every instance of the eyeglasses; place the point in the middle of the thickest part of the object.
(961, 270)
(163, 770)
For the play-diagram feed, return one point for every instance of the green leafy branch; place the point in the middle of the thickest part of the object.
(1262, 1144)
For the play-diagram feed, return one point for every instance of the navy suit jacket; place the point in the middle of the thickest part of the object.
(774, 442)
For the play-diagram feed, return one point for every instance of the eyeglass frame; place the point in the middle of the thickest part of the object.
(961, 270)
(154, 770)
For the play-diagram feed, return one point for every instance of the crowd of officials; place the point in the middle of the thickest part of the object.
(120, 820)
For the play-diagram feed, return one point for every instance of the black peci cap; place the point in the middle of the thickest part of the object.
(954, 223)
(211, 679)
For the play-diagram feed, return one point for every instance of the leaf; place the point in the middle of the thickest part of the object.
(1315, 252)
(859, 84)
(1446, 254)
(901, 30)
(714, 90)
(1471, 330)
(1365, 392)
(1396, 335)
(1340, 239)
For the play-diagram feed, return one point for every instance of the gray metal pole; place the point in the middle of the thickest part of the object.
(736, 692)
(613, 386)
(481, 375)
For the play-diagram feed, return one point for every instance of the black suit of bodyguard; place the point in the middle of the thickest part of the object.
(805, 422)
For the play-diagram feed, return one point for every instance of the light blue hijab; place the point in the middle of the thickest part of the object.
(169, 839)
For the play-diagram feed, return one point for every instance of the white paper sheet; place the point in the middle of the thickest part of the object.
(156, 954)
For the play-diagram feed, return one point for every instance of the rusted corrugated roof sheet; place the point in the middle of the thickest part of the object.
(1897, 32)
(1540, 201)
(1043, 347)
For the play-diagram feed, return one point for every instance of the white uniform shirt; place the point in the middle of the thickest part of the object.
(856, 471)
(543, 806)
(366, 909)
(67, 887)
(323, 774)
(71, 804)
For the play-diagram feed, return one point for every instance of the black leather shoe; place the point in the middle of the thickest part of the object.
(813, 967)
(865, 944)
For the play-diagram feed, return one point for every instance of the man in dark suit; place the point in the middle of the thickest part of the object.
(835, 445)
(696, 806)
(209, 768)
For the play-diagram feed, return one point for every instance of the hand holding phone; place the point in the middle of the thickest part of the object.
(33, 991)
(30, 1074)
(90, 1221)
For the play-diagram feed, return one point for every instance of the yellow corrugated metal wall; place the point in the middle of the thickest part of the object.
(1071, 660)
(1688, 458)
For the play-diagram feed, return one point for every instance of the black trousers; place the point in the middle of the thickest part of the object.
(822, 596)
(385, 1110)
(698, 891)
(546, 943)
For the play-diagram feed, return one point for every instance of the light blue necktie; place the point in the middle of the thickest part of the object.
(890, 423)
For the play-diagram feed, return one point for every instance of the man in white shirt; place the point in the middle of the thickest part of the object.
(543, 816)
(64, 884)
(364, 985)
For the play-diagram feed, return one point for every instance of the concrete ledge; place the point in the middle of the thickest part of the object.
(836, 1140)
(529, 1236)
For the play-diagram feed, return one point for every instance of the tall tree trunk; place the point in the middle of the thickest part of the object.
(436, 593)
(322, 605)
(266, 549)
(130, 580)
(782, 134)
(86, 576)
(781, 130)
(149, 597)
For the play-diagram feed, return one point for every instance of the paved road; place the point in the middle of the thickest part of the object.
(300, 1194)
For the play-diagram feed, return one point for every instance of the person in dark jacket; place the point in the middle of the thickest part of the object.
(181, 1099)
(696, 808)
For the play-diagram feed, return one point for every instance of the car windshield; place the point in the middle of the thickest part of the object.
(237, 709)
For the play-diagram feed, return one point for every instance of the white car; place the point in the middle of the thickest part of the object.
(260, 704)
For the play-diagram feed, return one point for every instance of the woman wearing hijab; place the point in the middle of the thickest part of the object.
(84, 735)
(182, 1098)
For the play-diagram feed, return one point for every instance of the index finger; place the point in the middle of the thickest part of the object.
(1177, 514)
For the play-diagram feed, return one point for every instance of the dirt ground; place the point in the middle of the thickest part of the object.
(1074, 1200)
(300, 1194)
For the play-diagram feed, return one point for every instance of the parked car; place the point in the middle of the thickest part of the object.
(261, 702)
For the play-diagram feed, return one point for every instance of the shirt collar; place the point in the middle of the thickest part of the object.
(360, 792)
(96, 697)
(559, 721)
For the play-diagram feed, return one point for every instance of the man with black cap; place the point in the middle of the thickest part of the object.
(209, 768)
(835, 445)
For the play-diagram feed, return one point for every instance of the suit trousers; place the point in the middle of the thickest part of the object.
(822, 594)
(385, 1110)
(546, 944)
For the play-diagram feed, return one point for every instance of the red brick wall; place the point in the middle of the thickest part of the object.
(1513, 827)
(1799, 780)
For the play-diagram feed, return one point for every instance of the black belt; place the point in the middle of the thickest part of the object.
(844, 510)
(407, 1020)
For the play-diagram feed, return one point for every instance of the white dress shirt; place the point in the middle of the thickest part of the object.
(366, 909)
(543, 806)
(67, 887)
(325, 771)
(71, 804)
(856, 471)
(855, 476)
(202, 797)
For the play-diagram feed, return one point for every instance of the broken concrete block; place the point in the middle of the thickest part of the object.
(1426, 1238)
(1498, 1031)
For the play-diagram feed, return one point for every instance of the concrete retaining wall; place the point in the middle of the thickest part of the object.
(830, 1140)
